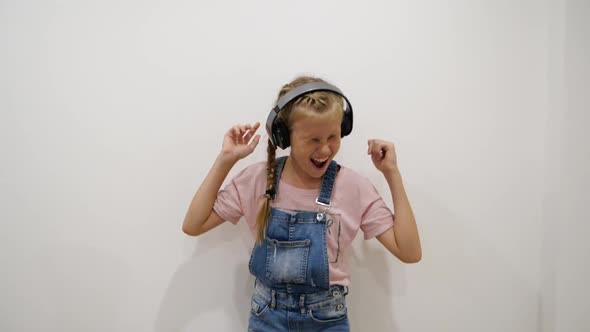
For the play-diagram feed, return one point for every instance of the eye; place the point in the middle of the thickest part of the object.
(332, 137)
(315, 140)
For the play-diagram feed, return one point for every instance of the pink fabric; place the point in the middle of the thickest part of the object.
(356, 204)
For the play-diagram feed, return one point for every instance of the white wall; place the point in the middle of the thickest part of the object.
(112, 113)
(566, 272)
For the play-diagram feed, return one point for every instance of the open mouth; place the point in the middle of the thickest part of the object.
(319, 163)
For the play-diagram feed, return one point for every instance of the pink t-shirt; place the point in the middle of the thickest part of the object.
(356, 204)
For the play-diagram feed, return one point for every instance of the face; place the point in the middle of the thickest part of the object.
(315, 140)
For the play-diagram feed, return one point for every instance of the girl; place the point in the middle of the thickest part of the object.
(304, 209)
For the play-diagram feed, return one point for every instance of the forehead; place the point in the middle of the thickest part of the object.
(316, 124)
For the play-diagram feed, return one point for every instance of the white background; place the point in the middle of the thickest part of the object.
(113, 111)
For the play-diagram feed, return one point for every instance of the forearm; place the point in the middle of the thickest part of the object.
(204, 199)
(405, 229)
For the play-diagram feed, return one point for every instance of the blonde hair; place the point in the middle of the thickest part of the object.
(318, 102)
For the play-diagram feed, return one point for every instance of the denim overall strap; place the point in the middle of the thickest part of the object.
(327, 184)
(280, 164)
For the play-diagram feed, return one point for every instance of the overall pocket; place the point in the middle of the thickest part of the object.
(333, 312)
(286, 261)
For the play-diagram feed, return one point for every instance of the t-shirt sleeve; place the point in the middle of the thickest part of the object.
(377, 217)
(228, 204)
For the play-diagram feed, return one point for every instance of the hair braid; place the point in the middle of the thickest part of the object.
(263, 214)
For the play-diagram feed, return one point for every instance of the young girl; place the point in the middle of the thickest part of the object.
(304, 209)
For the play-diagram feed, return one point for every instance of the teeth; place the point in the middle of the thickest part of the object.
(318, 160)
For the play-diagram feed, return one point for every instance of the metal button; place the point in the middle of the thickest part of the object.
(340, 307)
(335, 293)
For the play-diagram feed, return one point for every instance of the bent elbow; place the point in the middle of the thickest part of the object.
(190, 231)
(412, 259)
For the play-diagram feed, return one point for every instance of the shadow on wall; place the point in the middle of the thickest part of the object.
(201, 288)
(465, 281)
(371, 289)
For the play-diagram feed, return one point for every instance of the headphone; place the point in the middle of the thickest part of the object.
(277, 130)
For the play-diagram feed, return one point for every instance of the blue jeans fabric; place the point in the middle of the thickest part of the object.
(292, 291)
(277, 311)
(293, 256)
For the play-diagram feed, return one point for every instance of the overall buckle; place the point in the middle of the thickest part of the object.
(322, 209)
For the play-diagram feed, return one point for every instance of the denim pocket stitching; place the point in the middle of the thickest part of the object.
(339, 318)
(274, 245)
(327, 303)
(259, 314)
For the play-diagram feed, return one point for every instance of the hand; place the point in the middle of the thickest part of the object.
(238, 142)
(383, 155)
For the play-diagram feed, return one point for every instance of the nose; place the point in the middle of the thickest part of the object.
(325, 150)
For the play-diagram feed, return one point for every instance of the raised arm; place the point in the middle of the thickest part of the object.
(238, 143)
(402, 240)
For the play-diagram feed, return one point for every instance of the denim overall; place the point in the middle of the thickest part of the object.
(292, 290)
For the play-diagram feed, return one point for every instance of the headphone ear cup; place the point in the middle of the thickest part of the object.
(346, 127)
(281, 133)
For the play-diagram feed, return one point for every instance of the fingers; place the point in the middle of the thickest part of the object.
(235, 133)
(250, 131)
(378, 148)
(254, 143)
(242, 134)
(375, 146)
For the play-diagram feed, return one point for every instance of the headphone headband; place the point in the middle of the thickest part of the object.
(278, 131)
(307, 88)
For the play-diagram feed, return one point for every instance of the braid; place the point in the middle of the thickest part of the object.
(263, 214)
(314, 100)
